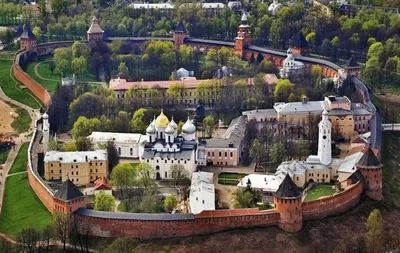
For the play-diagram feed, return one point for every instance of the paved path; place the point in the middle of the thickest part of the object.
(104, 84)
(17, 173)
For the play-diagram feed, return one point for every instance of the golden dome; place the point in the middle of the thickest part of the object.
(162, 120)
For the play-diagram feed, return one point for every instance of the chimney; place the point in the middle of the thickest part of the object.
(304, 100)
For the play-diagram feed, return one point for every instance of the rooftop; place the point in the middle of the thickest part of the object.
(267, 183)
(130, 138)
(68, 191)
(288, 189)
(300, 107)
(95, 27)
(351, 63)
(299, 41)
(27, 33)
(369, 160)
(360, 109)
(76, 156)
(232, 137)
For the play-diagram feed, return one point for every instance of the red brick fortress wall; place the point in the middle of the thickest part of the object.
(205, 223)
(333, 205)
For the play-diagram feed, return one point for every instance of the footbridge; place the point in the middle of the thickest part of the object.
(391, 127)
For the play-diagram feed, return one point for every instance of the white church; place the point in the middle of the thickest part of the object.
(290, 65)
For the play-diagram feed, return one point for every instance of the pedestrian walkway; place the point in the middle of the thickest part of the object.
(13, 174)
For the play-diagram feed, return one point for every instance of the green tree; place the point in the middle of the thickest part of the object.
(83, 144)
(292, 97)
(145, 173)
(316, 75)
(61, 223)
(69, 147)
(175, 92)
(122, 245)
(79, 65)
(137, 123)
(257, 151)
(54, 145)
(242, 199)
(123, 68)
(275, 33)
(104, 202)
(170, 202)
(123, 176)
(209, 125)
(178, 173)
(282, 90)
(148, 203)
(57, 6)
(374, 238)
(180, 125)
(83, 127)
(277, 152)
(302, 149)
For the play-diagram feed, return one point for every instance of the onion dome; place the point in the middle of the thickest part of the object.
(162, 120)
(188, 127)
(45, 116)
(173, 124)
(169, 129)
(151, 129)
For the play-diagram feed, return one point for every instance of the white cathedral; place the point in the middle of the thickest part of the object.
(161, 146)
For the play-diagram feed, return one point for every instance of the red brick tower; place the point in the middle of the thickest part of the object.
(299, 45)
(27, 39)
(371, 168)
(179, 35)
(352, 67)
(95, 32)
(288, 203)
(244, 36)
(68, 198)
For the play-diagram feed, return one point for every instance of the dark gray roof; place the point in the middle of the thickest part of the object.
(288, 189)
(183, 154)
(369, 160)
(27, 33)
(299, 41)
(213, 42)
(351, 63)
(339, 112)
(133, 216)
(68, 191)
(233, 136)
(180, 28)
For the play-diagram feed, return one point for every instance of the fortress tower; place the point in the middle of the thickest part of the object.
(244, 36)
(46, 131)
(287, 202)
(27, 39)
(324, 139)
(68, 198)
(299, 45)
(95, 32)
(179, 35)
(352, 68)
(371, 168)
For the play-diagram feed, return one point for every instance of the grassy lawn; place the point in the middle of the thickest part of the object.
(318, 191)
(391, 172)
(3, 156)
(20, 161)
(51, 86)
(23, 122)
(12, 89)
(21, 207)
(228, 175)
(225, 181)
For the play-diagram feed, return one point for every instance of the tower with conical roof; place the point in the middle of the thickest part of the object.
(68, 198)
(288, 202)
(95, 32)
(352, 67)
(299, 45)
(371, 168)
(243, 36)
(179, 35)
(27, 38)
(324, 139)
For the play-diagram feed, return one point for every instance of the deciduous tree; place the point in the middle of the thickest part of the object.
(104, 202)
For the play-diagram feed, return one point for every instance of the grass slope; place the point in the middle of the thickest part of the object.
(23, 122)
(391, 173)
(12, 89)
(21, 207)
(3, 156)
(48, 85)
(318, 191)
(20, 161)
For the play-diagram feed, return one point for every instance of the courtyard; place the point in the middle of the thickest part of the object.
(318, 191)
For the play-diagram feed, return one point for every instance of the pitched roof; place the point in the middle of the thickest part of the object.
(102, 183)
(68, 191)
(351, 63)
(288, 189)
(299, 41)
(27, 33)
(95, 27)
(180, 28)
(369, 160)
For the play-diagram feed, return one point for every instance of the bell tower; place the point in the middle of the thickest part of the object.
(244, 35)
(324, 139)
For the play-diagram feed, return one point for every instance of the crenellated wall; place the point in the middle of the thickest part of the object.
(333, 205)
